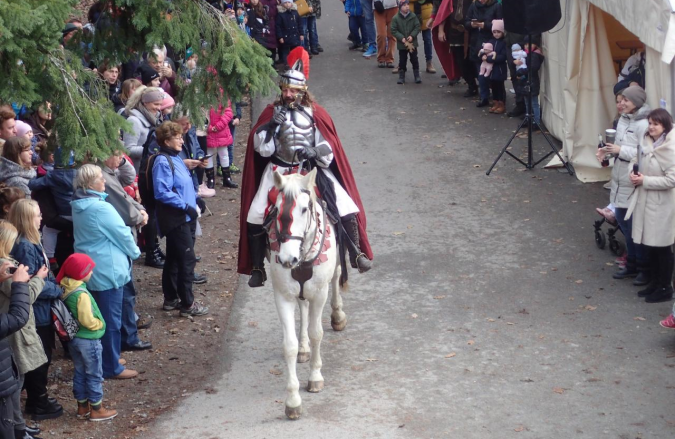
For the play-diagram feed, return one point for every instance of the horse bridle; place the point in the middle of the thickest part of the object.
(284, 237)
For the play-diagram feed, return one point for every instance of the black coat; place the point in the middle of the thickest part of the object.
(482, 13)
(258, 28)
(12, 321)
(288, 28)
(534, 64)
(500, 70)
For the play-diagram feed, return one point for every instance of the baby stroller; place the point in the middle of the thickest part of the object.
(615, 246)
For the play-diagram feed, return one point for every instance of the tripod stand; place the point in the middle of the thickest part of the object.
(529, 121)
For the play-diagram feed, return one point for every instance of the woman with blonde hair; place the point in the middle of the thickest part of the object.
(101, 234)
(143, 110)
(16, 164)
(25, 216)
(26, 345)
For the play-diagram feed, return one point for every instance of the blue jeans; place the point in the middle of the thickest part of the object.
(230, 149)
(303, 31)
(483, 83)
(535, 110)
(88, 378)
(129, 330)
(369, 29)
(311, 35)
(428, 47)
(110, 304)
(357, 26)
(635, 252)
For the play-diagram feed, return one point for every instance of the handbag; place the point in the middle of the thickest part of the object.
(303, 7)
(379, 6)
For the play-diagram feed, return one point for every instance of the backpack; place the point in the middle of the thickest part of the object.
(637, 74)
(150, 185)
(65, 324)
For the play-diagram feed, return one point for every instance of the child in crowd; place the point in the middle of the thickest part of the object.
(85, 349)
(167, 107)
(499, 67)
(517, 53)
(289, 29)
(218, 139)
(357, 23)
(537, 60)
(404, 27)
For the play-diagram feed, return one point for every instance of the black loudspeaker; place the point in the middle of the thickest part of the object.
(529, 17)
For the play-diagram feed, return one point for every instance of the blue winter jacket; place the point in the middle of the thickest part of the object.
(60, 183)
(353, 7)
(33, 256)
(192, 150)
(500, 70)
(174, 189)
(289, 28)
(101, 233)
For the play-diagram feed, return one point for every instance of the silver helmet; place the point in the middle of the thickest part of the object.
(294, 78)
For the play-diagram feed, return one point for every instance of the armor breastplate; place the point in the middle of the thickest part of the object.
(295, 133)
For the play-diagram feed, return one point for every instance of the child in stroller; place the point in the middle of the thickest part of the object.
(615, 246)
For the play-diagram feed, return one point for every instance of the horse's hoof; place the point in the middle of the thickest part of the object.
(338, 326)
(303, 357)
(314, 386)
(293, 413)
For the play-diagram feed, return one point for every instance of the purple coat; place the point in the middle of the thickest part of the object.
(271, 38)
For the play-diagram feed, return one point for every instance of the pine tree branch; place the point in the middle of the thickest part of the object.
(65, 75)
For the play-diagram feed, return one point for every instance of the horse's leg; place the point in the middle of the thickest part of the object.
(286, 310)
(303, 351)
(338, 319)
(315, 384)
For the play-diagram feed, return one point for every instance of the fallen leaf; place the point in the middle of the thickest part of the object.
(413, 315)
(275, 371)
(371, 359)
(476, 166)
(490, 320)
(439, 297)
(470, 342)
(450, 355)
(642, 319)
(510, 323)
(398, 233)
(519, 429)
(578, 281)
(590, 308)
(559, 390)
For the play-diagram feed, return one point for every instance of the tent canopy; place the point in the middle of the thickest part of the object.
(577, 96)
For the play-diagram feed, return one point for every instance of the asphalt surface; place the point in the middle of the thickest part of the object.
(490, 312)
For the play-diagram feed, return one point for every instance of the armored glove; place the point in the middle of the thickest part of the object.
(279, 116)
(309, 153)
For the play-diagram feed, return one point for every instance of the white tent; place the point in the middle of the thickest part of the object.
(577, 84)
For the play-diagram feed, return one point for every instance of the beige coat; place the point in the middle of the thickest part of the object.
(26, 344)
(652, 204)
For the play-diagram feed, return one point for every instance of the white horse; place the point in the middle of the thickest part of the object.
(303, 261)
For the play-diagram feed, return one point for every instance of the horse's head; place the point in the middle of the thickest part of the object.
(295, 205)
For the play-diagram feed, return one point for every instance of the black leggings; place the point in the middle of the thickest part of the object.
(403, 59)
(498, 90)
(662, 261)
(35, 381)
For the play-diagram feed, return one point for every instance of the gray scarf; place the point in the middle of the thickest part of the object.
(153, 119)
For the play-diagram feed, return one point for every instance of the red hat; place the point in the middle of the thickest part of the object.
(77, 267)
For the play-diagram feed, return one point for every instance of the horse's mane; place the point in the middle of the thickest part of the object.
(293, 187)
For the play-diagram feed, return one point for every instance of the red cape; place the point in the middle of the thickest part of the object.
(254, 165)
(451, 69)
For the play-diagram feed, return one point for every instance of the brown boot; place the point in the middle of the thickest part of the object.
(430, 67)
(501, 108)
(100, 413)
(83, 410)
(495, 105)
(126, 374)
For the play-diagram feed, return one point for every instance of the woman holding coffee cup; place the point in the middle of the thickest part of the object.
(630, 131)
(652, 204)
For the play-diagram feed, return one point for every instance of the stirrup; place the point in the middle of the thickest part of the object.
(365, 265)
(257, 283)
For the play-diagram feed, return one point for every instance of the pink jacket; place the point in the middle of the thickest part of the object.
(220, 121)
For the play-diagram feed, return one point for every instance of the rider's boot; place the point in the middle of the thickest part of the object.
(357, 258)
(257, 247)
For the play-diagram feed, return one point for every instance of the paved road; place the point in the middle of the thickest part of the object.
(500, 271)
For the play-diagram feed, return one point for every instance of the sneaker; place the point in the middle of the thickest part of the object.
(354, 46)
(607, 185)
(199, 279)
(195, 310)
(171, 305)
(219, 171)
(234, 169)
(100, 413)
(372, 51)
(205, 192)
(668, 322)
(319, 49)
(663, 294)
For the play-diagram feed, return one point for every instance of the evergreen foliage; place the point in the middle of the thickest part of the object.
(34, 67)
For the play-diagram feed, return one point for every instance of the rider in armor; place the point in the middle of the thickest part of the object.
(293, 135)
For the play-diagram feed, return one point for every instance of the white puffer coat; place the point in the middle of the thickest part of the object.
(629, 132)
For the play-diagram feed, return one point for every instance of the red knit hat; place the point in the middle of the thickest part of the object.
(77, 267)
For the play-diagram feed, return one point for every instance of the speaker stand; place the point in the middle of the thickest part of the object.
(529, 121)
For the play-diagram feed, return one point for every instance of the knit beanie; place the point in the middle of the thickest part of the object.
(77, 267)
(516, 47)
(636, 95)
(402, 2)
(152, 94)
(498, 25)
(147, 74)
(167, 102)
(22, 128)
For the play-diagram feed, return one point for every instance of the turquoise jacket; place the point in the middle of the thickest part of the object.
(101, 233)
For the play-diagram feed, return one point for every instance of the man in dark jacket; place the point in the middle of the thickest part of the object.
(289, 30)
(15, 319)
(478, 22)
